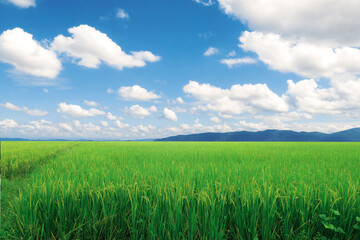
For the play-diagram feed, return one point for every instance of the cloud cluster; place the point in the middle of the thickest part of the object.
(91, 103)
(334, 22)
(170, 114)
(313, 39)
(89, 47)
(77, 111)
(137, 93)
(32, 112)
(237, 99)
(341, 98)
(140, 112)
(303, 58)
(19, 49)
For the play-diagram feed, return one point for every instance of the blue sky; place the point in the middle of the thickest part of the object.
(148, 69)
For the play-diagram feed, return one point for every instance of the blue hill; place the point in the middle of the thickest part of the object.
(351, 135)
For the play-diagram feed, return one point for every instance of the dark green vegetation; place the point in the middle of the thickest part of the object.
(171, 190)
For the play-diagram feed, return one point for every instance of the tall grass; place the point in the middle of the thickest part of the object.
(20, 158)
(149, 190)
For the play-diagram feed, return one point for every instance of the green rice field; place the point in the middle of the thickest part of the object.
(180, 190)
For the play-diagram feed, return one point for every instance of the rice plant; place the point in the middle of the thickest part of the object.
(171, 190)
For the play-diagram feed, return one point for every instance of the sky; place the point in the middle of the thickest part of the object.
(127, 70)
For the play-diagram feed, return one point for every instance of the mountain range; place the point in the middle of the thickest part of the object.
(351, 135)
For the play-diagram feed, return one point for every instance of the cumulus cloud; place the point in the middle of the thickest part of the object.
(121, 13)
(234, 62)
(303, 58)
(32, 112)
(137, 93)
(120, 124)
(342, 97)
(110, 116)
(18, 48)
(336, 22)
(237, 99)
(170, 114)
(77, 111)
(145, 129)
(91, 103)
(90, 47)
(211, 51)
(8, 123)
(140, 112)
(23, 3)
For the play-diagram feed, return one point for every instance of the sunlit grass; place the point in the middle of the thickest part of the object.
(151, 190)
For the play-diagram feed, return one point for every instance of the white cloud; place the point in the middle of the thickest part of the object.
(19, 49)
(32, 112)
(302, 58)
(89, 47)
(137, 93)
(215, 119)
(341, 98)
(119, 124)
(23, 3)
(77, 111)
(91, 103)
(121, 13)
(206, 3)
(140, 112)
(234, 62)
(211, 51)
(169, 114)
(11, 106)
(109, 90)
(237, 99)
(110, 116)
(335, 22)
(145, 129)
(180, 100)
(8, 123)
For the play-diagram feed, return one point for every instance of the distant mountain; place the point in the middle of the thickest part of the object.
(351, 135)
